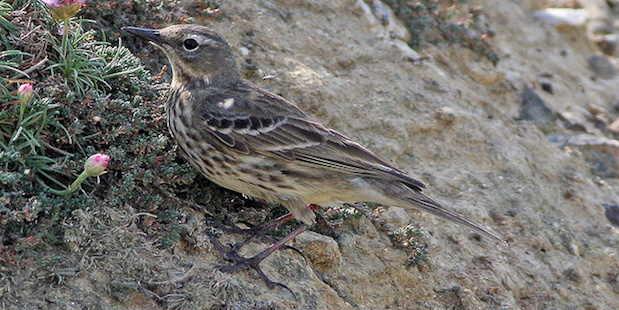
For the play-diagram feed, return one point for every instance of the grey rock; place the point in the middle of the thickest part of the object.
(602, 66)
(534, 109)
(612, 213)
(601, 153)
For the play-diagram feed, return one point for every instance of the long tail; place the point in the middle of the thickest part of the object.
(401, 195)
(426, 203)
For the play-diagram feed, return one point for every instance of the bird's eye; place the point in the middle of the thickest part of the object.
(191, 44)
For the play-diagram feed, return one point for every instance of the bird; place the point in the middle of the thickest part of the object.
(257, 143)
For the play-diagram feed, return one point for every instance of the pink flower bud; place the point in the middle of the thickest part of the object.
(63, 9)
(95, 165)
(24, 92)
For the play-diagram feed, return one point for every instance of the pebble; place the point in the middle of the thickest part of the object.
(445, 115)
(534, 109)
(557, 140)
(607, 43)
(562, 16)
(546, 86)
(614, 126)
(602, 66)
(612, 213)
(601, 153)
(322, 251)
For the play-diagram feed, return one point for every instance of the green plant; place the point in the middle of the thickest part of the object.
(76, 61)
(120, 65)
(4, 23)
(9, 62)
(86, 64)
(411, 238)
(25, 137)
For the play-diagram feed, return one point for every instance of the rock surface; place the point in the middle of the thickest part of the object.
(327, 57)
(450, 120)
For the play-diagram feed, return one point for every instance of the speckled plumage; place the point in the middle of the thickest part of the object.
(257, 143)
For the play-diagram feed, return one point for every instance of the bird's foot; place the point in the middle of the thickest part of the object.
(254, 262)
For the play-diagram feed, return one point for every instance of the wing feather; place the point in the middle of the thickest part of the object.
(256, 125)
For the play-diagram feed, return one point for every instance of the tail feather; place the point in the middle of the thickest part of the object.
(401, 195)
(425, 203)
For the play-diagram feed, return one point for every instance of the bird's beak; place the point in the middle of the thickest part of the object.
(152, 35)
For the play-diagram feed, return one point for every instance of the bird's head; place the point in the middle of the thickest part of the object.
(196, 54)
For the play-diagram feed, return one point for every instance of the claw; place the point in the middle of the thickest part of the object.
(290, 247)
(246, 264)
(254, 262)
(272, 284)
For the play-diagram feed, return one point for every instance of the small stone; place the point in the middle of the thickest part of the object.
(602, 66)
(574, 248)
(557, 140)
(244, 51)
(484, 75)
(601, 153)
(614, 126)
(547, 87)
(445, 115)
(608, 44)
(322, 251)
(612, 213)
(562, 16)
(535, 109)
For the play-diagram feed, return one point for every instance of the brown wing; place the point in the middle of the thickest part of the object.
(254, 121)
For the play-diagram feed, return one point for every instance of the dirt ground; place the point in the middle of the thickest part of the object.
(442, 112)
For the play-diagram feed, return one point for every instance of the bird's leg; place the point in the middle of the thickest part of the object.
(253, 262)
(278, 221)
(260, 230)
(256, 230)
(252, 232)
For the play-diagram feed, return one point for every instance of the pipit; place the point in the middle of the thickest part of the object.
(254, 142)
